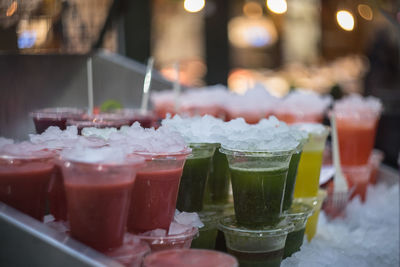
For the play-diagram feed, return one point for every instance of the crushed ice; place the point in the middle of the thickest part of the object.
(368, 236)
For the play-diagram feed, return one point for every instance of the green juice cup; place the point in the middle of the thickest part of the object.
(218, 183)
(291, 177)
(208, 233)
(298, 215)
(256, 247)
(258, 184)
(194, 178)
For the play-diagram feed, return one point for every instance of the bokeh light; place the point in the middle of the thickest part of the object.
(345, 20)
(194, 6)
(277, 6)
(365, 12)
(252, 9)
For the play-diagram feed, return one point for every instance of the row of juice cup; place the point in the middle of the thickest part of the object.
(356, 132)
(197, 168)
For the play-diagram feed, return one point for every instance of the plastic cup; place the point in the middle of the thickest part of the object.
(298, 215)
(358, 178)
(99, 121)
(56, 192)
(312, 222)
(157, 243)
(291, 118)
(291, 178)
(98, 198)
(219, 180)
(258, 185)
(44, 118)
(194, 178)
(251, 117)
(375, 161)
(155, 192)
(190, 257)
(356, 134)
(208, 233)
(309, 169)
(24, 180)
(56, 195)
(260, 246)
(147, 119)
(131, 253)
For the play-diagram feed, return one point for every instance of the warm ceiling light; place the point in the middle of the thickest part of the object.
(11, 9)
(252, 9)
(365, 12)
(194, 6)
(277, 6)
(345, 20)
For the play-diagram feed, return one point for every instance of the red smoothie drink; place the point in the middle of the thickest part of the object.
(190, 257)
(24, 178)
(155, 192)
(44, 118)
(98, 194)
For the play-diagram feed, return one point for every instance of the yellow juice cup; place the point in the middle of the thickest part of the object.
(312, 222)
(308, 172)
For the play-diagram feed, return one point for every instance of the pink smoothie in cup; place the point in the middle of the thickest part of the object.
(98, 183)
(25, 172)
(154, 194)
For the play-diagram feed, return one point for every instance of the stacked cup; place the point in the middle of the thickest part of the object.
(357, 119)
(308, 173)
(155, 192)
(258, 158)
(194, 192)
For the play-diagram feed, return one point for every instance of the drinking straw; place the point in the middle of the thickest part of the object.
(90, 85)
(177, 87)
(146, 85)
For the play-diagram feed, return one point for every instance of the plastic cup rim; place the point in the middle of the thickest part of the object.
(187, 234)
(276, 230)
(260, 153)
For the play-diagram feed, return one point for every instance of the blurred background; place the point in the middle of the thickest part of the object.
(328, 46)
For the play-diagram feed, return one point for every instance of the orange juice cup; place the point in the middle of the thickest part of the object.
(356, 119)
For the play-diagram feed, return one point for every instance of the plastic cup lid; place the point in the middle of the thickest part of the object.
(299, 212)
(230, 224)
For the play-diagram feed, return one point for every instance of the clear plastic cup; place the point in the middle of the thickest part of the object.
(157, 243)
(219, 180)
(309, 169)
(190, 257)
(194, 177)
(356, 119)
(298, 215)
(291, 178)
(44, 118)
(312, 222)
(290, 117)
(208, 233)
(56, 192)
(358, 178)
(258, 185)
(251, 117)
(155, 192)
(375, 161)
(259, 246)
(147, 119)
(98, 198)
(99, 121)
(24, 179)
(131, 253)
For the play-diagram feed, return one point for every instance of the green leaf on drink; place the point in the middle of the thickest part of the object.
(110, 105)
